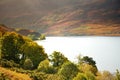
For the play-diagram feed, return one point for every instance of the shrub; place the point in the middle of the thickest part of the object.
(9, 64)
(28, 64)
(80, 76)
(68, 70)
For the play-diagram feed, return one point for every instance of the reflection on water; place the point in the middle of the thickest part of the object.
(104, 50)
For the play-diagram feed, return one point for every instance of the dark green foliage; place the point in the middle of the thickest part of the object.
(88, 60)
(22, 55)
(51, 70)
(18, 48)
(57, 59)
(36, 75)
(11, 43)
(34, 52)
(68, 71)
(9, 64)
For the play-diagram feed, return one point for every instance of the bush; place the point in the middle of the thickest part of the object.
(9, 64)
(80, 76)
(68, 71)
(28, 64)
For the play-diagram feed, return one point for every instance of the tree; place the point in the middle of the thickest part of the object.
(68, 71)
(89, 63)
(44, 65)
(34, 52)
(88, 60)
(57, 59)
(10, 46)
(80, 76)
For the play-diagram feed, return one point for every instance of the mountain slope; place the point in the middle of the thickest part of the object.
(63, 17)
(24, 32)
(12, 75)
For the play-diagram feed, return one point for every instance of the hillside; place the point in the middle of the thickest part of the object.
(12, 75)
(63, 17)
(4, 28)
(25, 32)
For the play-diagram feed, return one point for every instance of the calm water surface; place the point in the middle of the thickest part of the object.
(104, 50)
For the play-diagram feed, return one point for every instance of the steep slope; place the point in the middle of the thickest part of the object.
(63, 17)
(12, 75)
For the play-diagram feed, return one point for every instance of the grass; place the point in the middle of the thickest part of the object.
(12, 75)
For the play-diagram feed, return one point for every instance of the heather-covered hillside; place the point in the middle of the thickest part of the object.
(63, 17)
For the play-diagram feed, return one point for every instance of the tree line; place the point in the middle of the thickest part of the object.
(21, 54)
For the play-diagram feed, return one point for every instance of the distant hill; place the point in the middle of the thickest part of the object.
(63, 17)
(24, 32)
(4, 28)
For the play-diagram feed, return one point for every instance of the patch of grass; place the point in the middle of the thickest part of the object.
(12, 75)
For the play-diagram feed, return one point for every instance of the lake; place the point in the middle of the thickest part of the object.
(104, 50)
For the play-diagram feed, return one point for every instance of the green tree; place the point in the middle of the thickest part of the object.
(89, 63)
(80, 76)
(10, 46)
(88, 60)
(57, 59)
(34, 52)
(68, 71)
(44, 65)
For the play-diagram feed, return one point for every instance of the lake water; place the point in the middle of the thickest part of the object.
(104, 50)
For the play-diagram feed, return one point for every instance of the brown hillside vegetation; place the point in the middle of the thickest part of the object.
(63, 17)
(12, 75)
(4, 28)
(25, 32)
